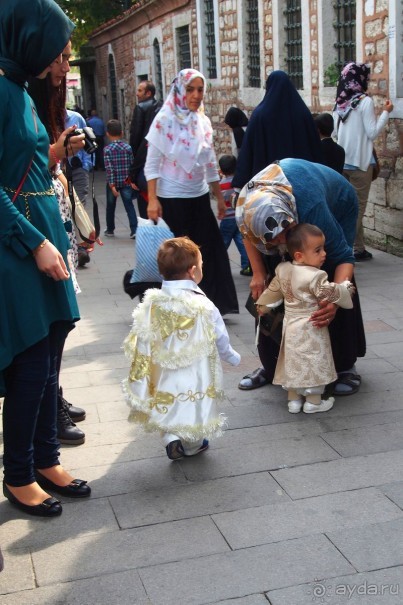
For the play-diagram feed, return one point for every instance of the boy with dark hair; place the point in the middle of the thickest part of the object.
(228, 227)
(118, 158)
(175, 345)
(333, 154)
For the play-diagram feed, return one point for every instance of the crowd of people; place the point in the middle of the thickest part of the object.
(289, 196)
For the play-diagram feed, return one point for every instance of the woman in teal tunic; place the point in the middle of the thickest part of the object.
(37, 301)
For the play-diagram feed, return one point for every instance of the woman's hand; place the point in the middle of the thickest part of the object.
(74, 144)
(154, 209)
(323, 316)
(50, 261)
(258, 284)
(388, 106)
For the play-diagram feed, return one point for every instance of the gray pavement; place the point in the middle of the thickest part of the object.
(284, 509)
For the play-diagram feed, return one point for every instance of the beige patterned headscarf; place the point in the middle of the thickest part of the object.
(265, 207)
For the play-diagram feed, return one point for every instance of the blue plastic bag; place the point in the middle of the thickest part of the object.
(149, 237)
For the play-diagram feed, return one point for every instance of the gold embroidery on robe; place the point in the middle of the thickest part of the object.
(140, 367)
(162, 399)
(169, 322)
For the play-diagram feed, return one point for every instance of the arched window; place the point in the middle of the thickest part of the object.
(113, 87)
(158, 70)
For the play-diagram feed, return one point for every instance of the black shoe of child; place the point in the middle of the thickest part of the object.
(174, 450)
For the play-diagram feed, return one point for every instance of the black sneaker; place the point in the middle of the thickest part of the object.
(174, 450)
(364, 255)
(109, 233)
(67, 432)
(75, 413)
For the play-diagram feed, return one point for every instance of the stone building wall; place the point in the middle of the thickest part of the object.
(130, 39)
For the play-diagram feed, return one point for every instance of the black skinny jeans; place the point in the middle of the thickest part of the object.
(30, 409)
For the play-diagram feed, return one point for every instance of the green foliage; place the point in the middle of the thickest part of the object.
(332, 74)
(89, 14)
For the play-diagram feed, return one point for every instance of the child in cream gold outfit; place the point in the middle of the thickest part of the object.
(305, 363)
(175, 345)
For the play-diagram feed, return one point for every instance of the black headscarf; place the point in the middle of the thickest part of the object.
(237, 120)
(280, 127)
(32, 34)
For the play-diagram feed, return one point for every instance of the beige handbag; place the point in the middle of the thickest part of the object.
(81, 219)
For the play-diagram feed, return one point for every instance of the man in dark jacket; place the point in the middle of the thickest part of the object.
(144, 113)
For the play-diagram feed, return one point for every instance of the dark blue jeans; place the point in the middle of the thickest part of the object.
(127, 194)
(30, 409)
(229, 231)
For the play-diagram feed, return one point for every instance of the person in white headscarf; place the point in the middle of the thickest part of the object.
(181, 165)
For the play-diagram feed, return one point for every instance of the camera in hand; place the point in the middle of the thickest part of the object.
(90, 144)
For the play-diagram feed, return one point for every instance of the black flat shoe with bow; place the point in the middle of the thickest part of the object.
(48, 508)
(76, 489)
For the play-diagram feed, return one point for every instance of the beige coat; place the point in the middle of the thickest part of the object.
(305, 358)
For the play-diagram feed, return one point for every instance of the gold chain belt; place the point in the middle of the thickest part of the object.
(28, 194)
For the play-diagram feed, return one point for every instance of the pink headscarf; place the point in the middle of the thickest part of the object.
(180, 134)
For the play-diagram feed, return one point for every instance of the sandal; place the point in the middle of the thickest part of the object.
(348, 379)
(254, 380)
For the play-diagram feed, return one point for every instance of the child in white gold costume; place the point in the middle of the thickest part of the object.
(305, 363)
(175, 345)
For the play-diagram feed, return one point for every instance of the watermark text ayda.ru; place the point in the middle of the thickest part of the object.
(320, 591)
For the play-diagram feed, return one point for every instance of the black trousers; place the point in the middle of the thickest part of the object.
(194, 217)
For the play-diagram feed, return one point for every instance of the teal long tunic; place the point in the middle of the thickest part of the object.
(29, 300)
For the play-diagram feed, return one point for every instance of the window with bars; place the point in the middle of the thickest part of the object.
(183, 47)
(113, 88)
(209, 23)
(345, 13)
(253, 44)
(158, 70)
(293, 43)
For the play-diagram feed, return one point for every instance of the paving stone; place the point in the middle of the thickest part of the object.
(125, 450)
(193, 500)
(18, 573)
(394, 491)
(287, 520)
(373, 546)
(254, 599)
(329, 424)
(368, 440)
(232, 461)
(102, 394)
(108, 412)
(253, 570)
(131, 476)
(384, 587)
(96, 555)
(341, 475)
(109, 589)
(79, 518)
(272, 432)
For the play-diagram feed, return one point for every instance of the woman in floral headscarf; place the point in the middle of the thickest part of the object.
(180, 166)
(357, 128)
(296, 191)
